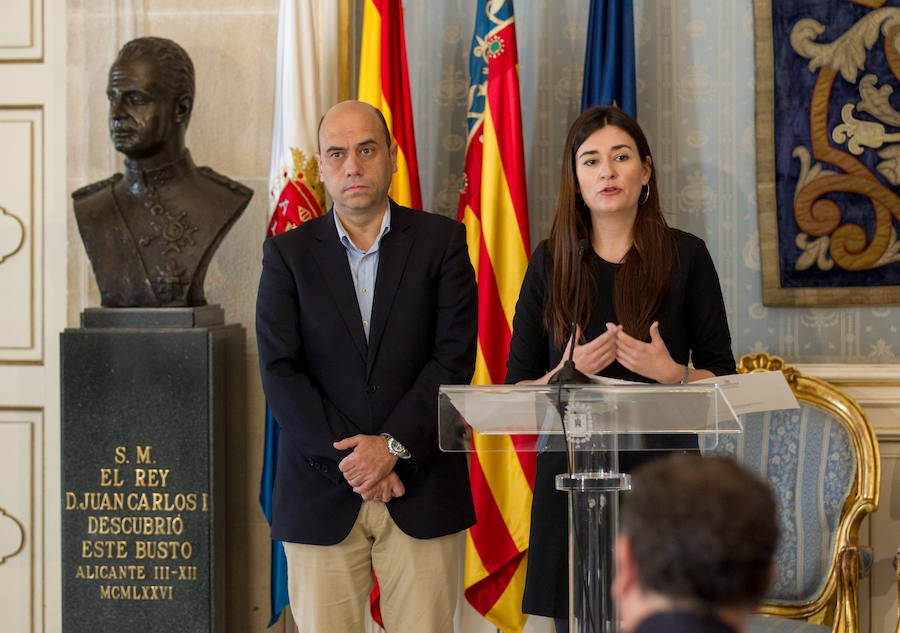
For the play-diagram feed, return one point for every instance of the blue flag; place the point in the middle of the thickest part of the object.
(609, 56)
(279, 593)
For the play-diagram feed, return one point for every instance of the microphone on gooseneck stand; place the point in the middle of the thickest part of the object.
(568, 373)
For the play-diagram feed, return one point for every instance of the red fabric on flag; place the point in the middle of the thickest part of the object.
(298, 201)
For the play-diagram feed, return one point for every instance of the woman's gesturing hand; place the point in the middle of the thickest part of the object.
(651, 360)
(595, 355)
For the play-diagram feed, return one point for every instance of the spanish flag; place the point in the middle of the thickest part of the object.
(493, 206)
(384, 83)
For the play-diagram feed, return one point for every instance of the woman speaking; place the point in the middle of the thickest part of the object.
(650, 310)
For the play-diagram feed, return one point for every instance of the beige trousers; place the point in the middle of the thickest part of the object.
(329, 585)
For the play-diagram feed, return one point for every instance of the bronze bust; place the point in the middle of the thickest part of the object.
(151, 233)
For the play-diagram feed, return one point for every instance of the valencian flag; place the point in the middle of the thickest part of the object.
(384, 83)
(493, 206)
(306, 83)
(609, 56)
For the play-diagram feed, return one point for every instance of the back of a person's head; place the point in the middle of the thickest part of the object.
(703, 530)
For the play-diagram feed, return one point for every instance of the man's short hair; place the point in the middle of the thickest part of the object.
(702, 530)
(175, 65)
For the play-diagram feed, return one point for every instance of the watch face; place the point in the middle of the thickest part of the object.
(396, 448)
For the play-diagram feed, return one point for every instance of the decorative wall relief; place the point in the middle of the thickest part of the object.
(12, 536)
(828, 151)
(12, 234)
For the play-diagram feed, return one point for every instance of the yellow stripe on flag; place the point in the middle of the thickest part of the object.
(370, 50)
(473, 239)
(505, 618)
(481, 376)
(500, 229)
(506, 481)
(401, 190)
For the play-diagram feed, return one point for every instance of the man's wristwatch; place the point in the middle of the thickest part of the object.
(395, 447)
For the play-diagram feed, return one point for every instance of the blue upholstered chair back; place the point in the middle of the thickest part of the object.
(807, 457)
(823, 464)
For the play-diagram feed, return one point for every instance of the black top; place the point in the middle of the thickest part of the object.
(682, 623)
(692, 322)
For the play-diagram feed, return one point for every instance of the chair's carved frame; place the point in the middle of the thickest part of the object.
(838, 603)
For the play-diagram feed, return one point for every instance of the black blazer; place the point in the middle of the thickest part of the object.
(324, 381)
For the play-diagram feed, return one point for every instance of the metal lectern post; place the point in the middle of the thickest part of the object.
(593, 484)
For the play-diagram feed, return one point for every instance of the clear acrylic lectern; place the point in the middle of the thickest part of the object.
(592, 423)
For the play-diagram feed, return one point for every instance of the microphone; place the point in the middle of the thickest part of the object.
(568, 374)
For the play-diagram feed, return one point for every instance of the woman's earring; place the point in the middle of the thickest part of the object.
(645, 196)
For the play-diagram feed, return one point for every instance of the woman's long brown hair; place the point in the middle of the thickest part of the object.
(642, 281)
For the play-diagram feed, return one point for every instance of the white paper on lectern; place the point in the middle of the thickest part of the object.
(750, 393)
(746, 393)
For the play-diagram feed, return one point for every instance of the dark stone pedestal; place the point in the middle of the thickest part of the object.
(146, 395)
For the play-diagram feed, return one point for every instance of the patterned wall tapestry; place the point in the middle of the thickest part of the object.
(829, 151)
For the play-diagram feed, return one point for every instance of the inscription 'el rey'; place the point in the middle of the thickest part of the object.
(143, 477)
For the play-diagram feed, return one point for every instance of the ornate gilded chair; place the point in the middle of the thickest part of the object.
(822, 462)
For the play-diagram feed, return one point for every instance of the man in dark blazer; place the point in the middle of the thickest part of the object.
(696, 546)
(361, 315)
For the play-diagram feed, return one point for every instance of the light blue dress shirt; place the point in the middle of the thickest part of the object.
(364, 266)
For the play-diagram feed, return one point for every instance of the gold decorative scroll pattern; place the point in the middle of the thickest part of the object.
(820, 219)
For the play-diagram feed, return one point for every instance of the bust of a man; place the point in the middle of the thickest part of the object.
(151, 232)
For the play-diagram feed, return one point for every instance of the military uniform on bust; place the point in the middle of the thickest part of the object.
(151, 234)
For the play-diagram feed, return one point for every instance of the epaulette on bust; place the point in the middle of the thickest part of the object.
(95, 186)
(226, 181)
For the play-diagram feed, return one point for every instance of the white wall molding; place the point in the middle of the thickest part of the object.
(875, 386)
(853, 373)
